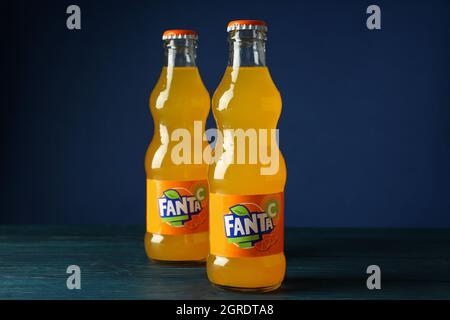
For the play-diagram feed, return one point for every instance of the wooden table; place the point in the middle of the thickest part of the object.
(322, 264)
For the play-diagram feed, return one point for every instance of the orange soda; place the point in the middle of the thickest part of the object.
(246, 202)
(177, 191)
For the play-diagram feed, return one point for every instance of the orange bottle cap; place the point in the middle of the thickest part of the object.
(179, 34)
(247, 25)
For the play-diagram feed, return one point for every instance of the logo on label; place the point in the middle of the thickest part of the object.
(246, 223)
(178, 205)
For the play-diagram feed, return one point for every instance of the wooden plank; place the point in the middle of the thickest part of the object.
(322, 264)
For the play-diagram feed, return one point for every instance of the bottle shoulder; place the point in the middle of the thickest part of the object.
(180, 83)
(180, 89)
(246, 83)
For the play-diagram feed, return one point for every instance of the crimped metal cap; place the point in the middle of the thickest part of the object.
(247, 25)
(179, 34)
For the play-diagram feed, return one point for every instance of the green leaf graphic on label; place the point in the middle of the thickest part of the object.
(244, 239)
(240, 210)
(245, 245)
(177, 218)
(172, 194)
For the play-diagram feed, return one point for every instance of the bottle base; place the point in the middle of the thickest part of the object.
(182, 250)
(181, 263)
(249, 290)
(250, 274)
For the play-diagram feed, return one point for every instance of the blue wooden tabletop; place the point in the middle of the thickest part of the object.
(321, 264)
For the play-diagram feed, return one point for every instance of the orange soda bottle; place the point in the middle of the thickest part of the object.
(247, 199)
(177, 188)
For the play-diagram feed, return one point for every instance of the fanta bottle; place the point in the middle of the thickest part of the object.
(246, 197)
(177, 188)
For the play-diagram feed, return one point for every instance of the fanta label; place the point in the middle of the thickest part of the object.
(246, 225)
(177, 207)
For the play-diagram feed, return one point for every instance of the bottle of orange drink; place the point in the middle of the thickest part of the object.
(177, 188)
(246, 195)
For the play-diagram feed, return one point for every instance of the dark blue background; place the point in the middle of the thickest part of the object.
(365, 124)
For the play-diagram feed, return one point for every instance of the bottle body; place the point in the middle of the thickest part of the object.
(177, 189)
(246, 99)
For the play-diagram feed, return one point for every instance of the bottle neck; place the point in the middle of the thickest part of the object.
(247, 48)
(180, 52)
